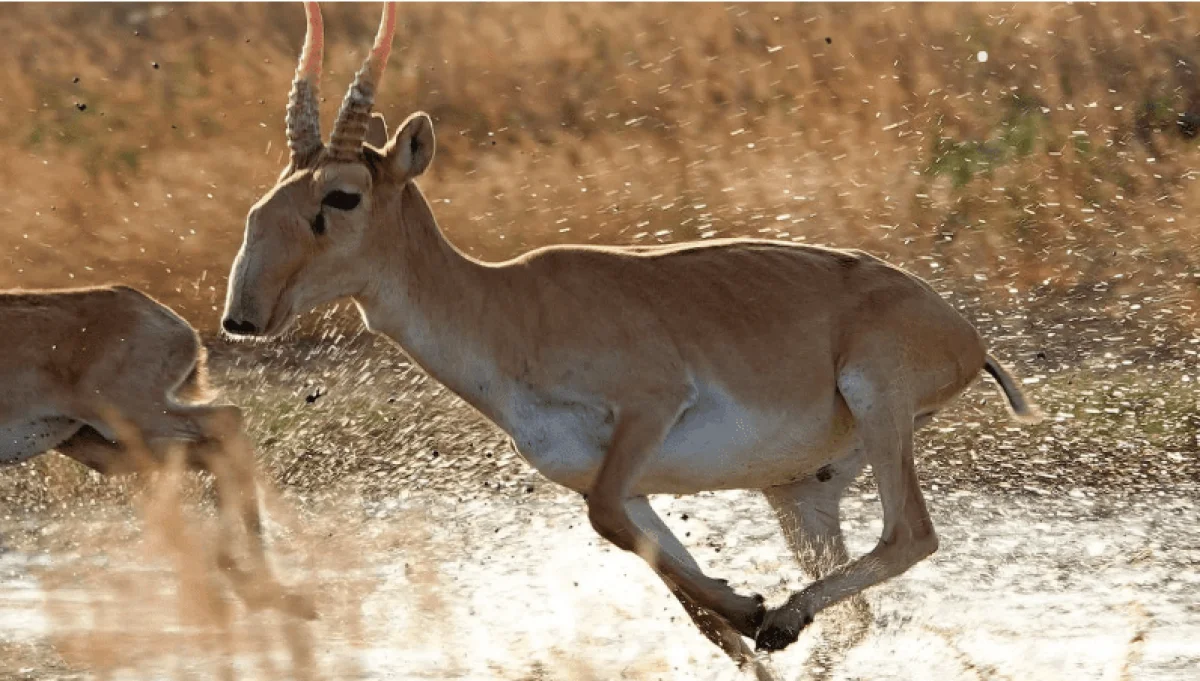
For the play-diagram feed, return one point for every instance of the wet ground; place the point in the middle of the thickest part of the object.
(1075, 587)
(1070, 550)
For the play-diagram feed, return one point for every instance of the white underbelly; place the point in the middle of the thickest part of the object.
(23, 440)
(716, 444)
(719, 444)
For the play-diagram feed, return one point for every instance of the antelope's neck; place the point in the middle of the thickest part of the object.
(448, 312)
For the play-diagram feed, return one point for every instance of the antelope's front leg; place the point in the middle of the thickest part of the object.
(638, 435)
(228, 455)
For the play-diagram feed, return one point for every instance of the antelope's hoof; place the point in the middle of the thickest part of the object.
(781, 629)
(760, 612)
(750, 621)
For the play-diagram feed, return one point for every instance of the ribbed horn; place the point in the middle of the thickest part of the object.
(350, 128)
(303, 110)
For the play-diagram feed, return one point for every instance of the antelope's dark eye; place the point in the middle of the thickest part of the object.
(341, 200)
(318, 224)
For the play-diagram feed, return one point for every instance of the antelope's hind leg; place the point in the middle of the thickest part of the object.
(809, 514)
(877, 395)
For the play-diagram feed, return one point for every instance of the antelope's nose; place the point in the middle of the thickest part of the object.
(239, 328)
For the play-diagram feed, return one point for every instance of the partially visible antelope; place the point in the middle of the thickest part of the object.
(114, 379)
(625, 372)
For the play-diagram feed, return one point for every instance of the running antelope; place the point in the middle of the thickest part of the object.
(114, 379)
(625, 372)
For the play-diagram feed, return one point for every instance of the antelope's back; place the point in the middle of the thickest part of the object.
(62, 329)
(726, 291)
(765, 320)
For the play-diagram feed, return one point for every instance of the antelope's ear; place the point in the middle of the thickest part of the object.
(411, 150)
(376, 131)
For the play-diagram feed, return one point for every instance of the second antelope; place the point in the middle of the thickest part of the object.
(115, 380)
(626, 372)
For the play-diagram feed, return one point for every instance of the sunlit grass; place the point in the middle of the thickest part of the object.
(1064, 160)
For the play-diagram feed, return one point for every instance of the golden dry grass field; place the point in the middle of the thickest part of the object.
(1063, 163)
(1037, 163)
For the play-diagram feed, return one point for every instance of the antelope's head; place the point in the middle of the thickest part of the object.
(308, 240)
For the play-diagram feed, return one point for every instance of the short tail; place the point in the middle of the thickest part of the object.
(1023, 410)
(195, 388)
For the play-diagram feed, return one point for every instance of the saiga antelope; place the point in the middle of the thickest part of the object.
(114, 379)
(624, 372)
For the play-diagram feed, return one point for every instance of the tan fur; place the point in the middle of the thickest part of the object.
(99, 366)
(611, 366)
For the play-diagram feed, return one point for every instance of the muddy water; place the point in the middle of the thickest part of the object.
(417, 587)
(1070, 550)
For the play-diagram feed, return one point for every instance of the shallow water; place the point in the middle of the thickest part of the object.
(1072, 587)
(1069, 550)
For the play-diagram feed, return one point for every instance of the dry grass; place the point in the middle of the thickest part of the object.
(1062, 163)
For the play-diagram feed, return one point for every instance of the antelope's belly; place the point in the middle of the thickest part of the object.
(717, 443)
(21, 440)
(722, 444)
